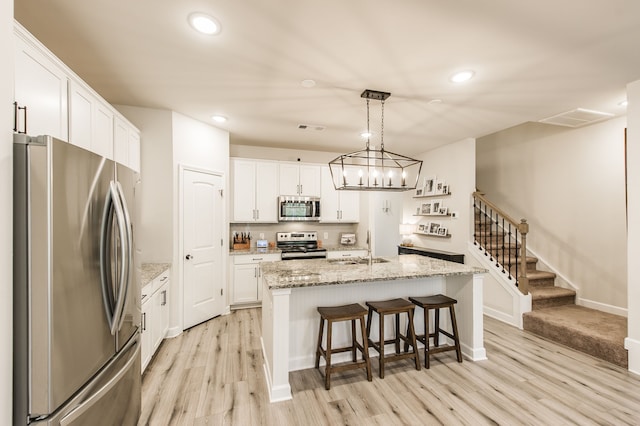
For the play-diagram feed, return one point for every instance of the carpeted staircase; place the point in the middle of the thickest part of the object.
(555, 315)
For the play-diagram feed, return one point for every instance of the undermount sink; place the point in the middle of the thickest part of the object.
(356, 261)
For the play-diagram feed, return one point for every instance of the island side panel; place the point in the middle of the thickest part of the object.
(467, 290)
(304, 318)
(275, 342)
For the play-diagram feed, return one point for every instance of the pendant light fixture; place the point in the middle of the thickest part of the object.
(375, 169)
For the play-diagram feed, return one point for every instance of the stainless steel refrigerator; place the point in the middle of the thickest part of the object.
(76, 296)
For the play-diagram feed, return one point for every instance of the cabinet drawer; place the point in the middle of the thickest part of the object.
(255, 258)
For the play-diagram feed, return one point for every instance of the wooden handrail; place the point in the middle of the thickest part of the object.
(523, 228)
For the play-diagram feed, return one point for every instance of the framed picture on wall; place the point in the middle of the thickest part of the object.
(419, 192)
(429, 185)
(433, 228)
(426, 208)
(442, 231)
(435, 206)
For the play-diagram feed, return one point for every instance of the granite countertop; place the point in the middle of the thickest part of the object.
(151, 270)
(320, 272)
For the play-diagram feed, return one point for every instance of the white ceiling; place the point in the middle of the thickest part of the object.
(532, 59)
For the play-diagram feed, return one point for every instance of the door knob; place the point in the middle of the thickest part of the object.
(189, 257)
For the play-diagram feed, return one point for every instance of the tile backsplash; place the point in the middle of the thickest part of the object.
(267, 231)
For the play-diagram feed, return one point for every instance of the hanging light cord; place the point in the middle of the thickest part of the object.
(368, 131)
(382, 128)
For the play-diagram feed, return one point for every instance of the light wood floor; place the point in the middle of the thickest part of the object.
(212, 374)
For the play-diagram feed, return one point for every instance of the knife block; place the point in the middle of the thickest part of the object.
(241, 246)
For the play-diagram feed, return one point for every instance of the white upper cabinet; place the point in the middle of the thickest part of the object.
(40, 86)
(126, 143)
(90, 121)
(81, 115)
(102, 137)
(255, 191)
(337, 206)
(299, 179)
(52, 100)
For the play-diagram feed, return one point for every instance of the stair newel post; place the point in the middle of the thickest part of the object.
(523, 281)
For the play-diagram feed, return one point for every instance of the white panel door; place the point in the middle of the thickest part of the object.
(102, 140)
(80, 116)
(202, 227)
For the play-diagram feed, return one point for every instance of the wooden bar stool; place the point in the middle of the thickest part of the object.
(333, 314)
(393, 307)
(437, 302)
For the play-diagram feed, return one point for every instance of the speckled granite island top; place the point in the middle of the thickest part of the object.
(321, 272)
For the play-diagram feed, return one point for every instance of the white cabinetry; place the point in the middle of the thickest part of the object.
(246, 287)
(50, 99)
(299, 179)
(90, 121)
(155, 316)
(337, 206)
(126, 144)
(255, 191)
(345, 254)
(40, 86)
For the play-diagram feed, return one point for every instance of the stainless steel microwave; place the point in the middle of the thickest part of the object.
(298, 208)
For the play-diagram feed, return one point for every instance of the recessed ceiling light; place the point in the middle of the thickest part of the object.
(204, 24)
(623, 103)
(435, 101)
(308, 83)
(219, 118)
(462, 76)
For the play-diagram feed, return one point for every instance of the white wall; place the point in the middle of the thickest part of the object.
(281, 154)
(156, 174)
(6, 200)
(632, 343)
(455, 164)
(202, 146)
(569, 185)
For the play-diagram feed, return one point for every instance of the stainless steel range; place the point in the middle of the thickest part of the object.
(300, 245)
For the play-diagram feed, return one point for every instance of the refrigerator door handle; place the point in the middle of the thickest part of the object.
(77, 412)
(127, 259)
(123, 281)
(113, 305)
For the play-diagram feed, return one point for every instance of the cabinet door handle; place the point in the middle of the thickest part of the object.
(257, 214)
(144, 321)
(255, 272)
(16, 113)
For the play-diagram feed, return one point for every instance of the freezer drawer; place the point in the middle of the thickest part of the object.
(113, 398)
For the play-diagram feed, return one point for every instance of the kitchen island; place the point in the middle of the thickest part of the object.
(292, 290)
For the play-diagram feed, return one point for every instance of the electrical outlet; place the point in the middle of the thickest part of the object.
(454, 215)
(326, 235)
(262, 235)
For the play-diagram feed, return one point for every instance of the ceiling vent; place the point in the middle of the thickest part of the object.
(310, 127)
(576, 118)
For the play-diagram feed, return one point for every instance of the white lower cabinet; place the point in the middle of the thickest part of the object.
(155, 316)
(245, 279)
(345, 254)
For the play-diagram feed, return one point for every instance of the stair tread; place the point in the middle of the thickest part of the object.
(538, 293)
(533, 275)
(585, 321)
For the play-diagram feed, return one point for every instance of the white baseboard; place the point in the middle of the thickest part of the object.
(173, 332)
(633, 348)
(616, 310)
